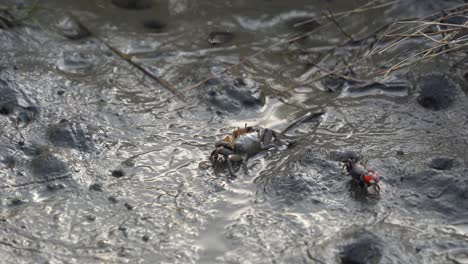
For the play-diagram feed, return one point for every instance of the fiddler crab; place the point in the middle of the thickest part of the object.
(363, 176)
(242, 144)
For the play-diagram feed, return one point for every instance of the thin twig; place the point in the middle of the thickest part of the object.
(319, 77)
(331, 17)
(443, 38)
(165, 83)
(127, 58)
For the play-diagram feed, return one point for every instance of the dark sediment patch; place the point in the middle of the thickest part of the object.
(223, 94)
(464, 77)
(304, 175)
(47, 166)
(437, 92)
(72, 29)
(30, 149)
(15, 102)
(7, 157)
(8, 161)
(284, 185)
(442, 163)
(439, 192)
(154, 25)
(27, 114)
(118, 173)
(234, 96)
(129, 206)
(15, 202)
(55, 186)
(7, 20)
(112, 199)
(96, 187)
(133, 4)
(220, 37)
(363, 248)
(8, 99)
(331, 83)
(91, 217)
(289, 188)
(70, 135)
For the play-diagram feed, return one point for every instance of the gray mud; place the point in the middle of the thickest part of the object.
(102, 164)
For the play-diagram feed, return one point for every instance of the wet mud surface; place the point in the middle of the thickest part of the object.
(102, 164)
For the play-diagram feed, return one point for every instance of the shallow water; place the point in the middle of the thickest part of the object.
(102, 164)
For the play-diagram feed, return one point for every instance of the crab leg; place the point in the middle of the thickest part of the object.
(230, 168)
(223, 144)
(214, 156)
(277, 137)
(234, 158)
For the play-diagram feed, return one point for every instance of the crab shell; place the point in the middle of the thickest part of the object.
(248, 143)
(231, 139)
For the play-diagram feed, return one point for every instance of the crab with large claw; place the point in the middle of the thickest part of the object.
(363, 176)
(242, 144)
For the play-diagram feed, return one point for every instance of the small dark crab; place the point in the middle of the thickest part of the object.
(363, 176)
(242, 144)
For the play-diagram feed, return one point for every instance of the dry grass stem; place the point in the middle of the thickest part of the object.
(439, 34)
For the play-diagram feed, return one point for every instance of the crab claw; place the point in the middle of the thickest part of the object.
(375, 186)
(346, 164)
(214, 156)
